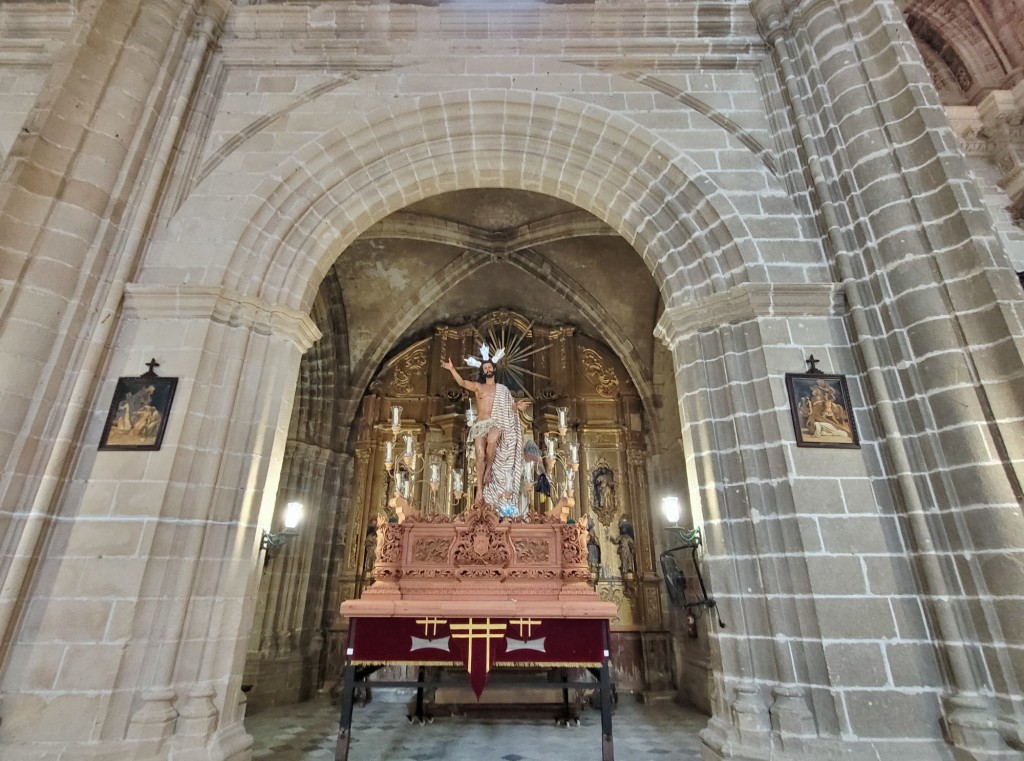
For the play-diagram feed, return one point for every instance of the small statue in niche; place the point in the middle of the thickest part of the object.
(604, 498)
(370, 545)
(626, 543)
(604, 488)
(593, 547)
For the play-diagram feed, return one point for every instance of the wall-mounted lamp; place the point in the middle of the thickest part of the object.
(271, 543)
(671, 510)
(675, 580)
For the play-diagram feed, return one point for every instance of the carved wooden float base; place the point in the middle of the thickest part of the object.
(476, 564)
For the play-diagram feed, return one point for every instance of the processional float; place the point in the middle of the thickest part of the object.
(490, 588)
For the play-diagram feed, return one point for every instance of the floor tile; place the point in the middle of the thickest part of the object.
(381, 732)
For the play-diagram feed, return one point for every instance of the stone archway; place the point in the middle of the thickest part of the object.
(528, 253)
(244, 335)
(690, 237)
(683, 225)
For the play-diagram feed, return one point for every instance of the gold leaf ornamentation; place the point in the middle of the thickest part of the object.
(599, 373)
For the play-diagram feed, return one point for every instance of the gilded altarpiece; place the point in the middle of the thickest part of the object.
(566, 369)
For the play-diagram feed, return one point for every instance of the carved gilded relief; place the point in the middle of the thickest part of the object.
(616, 594)
(599, 373)
(408, 373)
(482, 541)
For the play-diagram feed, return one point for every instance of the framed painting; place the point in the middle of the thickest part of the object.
(138, 413)
(821, 410)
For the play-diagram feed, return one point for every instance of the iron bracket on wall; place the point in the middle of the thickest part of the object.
(691, 540)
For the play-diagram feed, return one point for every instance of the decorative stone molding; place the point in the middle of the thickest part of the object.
(30, 38)
(750, 718)
(994, 131)
(972, 724)
(749, 301)
(414, 226)
(791, 718)
(154, 721)
(189, 302)
(1002, 113)
(198, 714)
(970, 131)
(596, 20)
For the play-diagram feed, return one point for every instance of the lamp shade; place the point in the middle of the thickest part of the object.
(670, 509)
(292, 514)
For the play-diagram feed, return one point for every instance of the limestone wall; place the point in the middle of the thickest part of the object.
(31, 37)
(783, 170)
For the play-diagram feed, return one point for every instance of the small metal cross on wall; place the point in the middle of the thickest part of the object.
(813, 366)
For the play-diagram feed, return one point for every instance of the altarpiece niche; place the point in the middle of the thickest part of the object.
(559, 367)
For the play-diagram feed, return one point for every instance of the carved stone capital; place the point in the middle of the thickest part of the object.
(186, 302)
(998, 109)
(749, 301)
(771, 19)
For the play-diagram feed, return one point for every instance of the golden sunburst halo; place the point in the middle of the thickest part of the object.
(511, 368)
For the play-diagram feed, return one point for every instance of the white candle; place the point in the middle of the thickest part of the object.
(457, 482)
(563, 418)
(574, 453)
(551, 446)
(389, 452)
(529, 472)
(435, 473)
(470, 415)
(396, 417)
(409, 451)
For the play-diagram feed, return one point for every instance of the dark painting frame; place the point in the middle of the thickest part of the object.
(821, 410)
(138, 415)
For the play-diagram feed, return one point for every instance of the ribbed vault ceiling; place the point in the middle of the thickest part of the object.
(458, 255)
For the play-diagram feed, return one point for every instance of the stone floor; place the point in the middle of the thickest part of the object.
(381, 732)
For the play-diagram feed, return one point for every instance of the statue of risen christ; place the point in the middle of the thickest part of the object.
(497, 438)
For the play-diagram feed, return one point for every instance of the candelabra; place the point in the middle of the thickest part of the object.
(405, 468)
(562, 464)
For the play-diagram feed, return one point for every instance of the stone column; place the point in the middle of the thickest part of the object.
(911, 237)
(140, 629)
(82, 180)
(802, 554)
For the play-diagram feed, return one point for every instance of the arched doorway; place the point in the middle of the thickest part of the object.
(441, 268)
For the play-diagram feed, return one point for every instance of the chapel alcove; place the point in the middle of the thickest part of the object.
(564, 369)
(426, 281)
